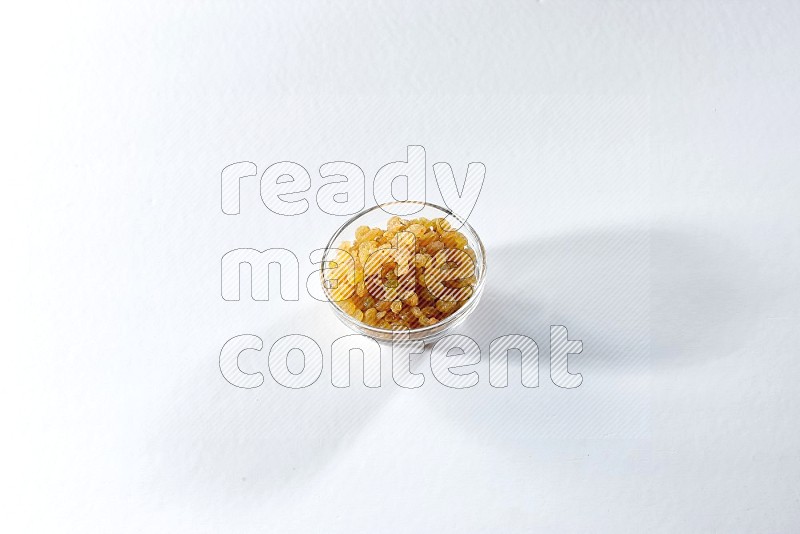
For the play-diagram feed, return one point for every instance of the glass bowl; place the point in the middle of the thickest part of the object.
(376, 216)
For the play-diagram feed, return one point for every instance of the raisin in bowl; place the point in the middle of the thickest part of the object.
(381, 282)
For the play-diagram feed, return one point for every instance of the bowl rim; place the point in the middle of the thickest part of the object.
(382, 332)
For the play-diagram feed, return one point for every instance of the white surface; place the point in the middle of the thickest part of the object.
(641, 161)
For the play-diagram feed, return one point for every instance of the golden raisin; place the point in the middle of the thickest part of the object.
(407, 300)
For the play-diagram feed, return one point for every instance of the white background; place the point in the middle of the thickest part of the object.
(642, 189)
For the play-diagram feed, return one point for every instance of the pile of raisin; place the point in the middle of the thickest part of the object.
(431, 276)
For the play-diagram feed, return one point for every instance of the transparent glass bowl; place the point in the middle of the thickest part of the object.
(377, 217)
